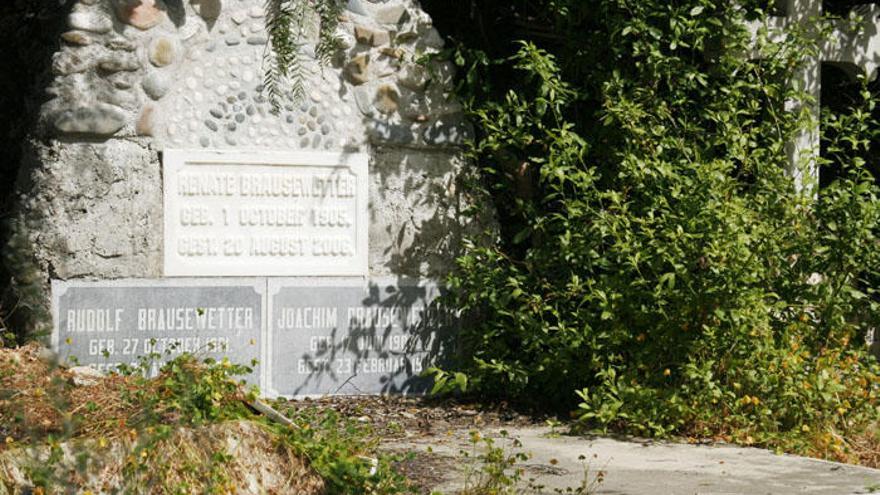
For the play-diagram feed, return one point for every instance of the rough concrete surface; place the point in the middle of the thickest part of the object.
(635, 467)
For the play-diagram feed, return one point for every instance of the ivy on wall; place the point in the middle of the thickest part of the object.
(655, 269)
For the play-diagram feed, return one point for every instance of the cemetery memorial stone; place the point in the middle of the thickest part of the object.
(172, 207)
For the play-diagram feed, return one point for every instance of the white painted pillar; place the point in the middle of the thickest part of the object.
(855, 48)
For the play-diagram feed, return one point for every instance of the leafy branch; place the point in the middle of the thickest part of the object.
(287, 22)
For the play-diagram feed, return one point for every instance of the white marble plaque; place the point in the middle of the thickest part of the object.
(265, 213)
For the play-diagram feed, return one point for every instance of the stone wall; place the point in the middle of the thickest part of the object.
(134, 77)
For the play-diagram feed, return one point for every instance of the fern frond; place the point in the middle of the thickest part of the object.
(282, 62)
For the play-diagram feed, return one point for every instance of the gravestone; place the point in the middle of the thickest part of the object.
(166, 200)
(350, 338)
(267, 214)
(107, 324)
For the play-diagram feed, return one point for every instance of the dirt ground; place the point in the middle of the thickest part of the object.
(401, 422)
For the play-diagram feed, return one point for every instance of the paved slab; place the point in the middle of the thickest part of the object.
(644, 467)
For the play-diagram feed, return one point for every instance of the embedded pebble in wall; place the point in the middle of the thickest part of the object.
(162, 52)
(142, 14)
(256, 12)
(257, 40)
(156, 85)
(205, 142)
(233, 40)
(239, 16)
(68, 62)
(357, 69)
(210, 124)
(392, 14)
(387, 99)
(120, 44)
(119, 63)
(362, 99)
(121, 80)
(355, 6)
(91, 21)
(344, 40)
(413, 76)
(99, 119)
(372, 37)
(146, 121)
(432, 39)
(76, 38)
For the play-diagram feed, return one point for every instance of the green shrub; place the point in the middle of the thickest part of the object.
(655, 267)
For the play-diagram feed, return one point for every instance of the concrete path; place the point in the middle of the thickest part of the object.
(638, 468)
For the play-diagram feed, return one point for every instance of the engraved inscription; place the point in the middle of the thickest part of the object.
(108, 324)
(265, 214)
(351, 338)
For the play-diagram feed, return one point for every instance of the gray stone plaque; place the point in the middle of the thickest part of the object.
(105, 324)
(337, 337)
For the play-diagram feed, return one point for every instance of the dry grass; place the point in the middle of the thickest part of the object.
(102, 451)
(37, 398)
(231, 457)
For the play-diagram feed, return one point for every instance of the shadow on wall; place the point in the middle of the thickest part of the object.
(29, 35)
(401, 332)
